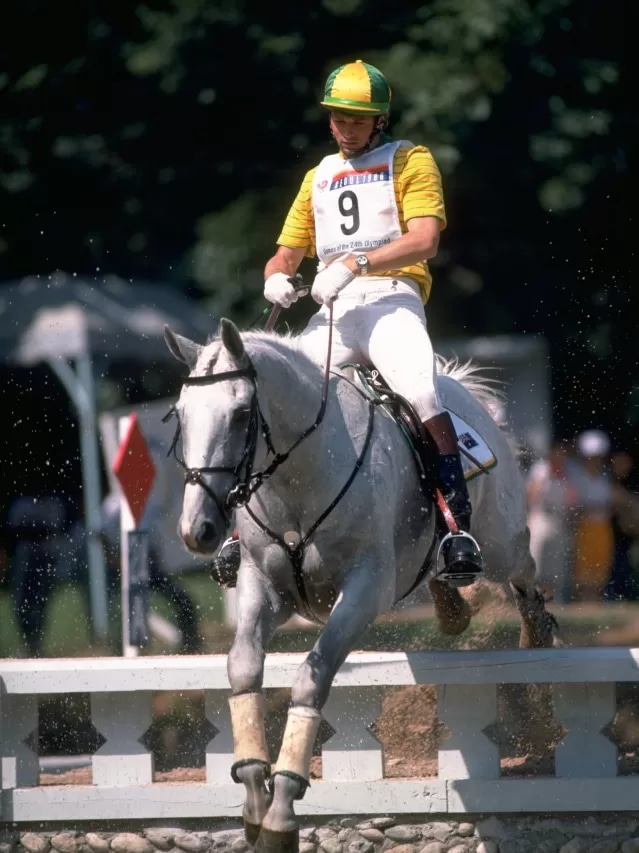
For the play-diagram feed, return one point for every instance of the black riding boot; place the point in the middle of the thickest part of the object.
(462, 558)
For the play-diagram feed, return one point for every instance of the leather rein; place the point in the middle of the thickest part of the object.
(248, 481)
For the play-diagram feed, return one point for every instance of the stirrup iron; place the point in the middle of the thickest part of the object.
(470, 564)
(224, 566)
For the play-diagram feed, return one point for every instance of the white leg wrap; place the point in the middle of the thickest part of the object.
(297, 744)
(247, 720)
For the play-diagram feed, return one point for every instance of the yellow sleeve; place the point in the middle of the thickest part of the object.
(298, 231)
(420, 184)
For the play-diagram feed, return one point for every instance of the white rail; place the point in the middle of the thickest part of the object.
(469, 778)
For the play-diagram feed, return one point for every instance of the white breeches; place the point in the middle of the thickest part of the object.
(380, 321)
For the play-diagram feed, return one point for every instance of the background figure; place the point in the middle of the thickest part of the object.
(551, 498)
(159, 579)
(625, 524)
(35, 524)
(594, 535)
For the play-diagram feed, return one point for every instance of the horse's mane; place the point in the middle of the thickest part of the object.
(485, 389)
(283, 349)
(278, 346)
(259, 344)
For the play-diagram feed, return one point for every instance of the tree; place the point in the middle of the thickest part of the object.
(166, 140)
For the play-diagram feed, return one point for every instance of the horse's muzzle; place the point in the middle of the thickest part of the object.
(202, 536)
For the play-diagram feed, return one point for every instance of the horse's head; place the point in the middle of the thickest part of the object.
(217, 412)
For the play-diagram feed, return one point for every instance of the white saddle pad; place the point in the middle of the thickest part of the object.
(470, 440)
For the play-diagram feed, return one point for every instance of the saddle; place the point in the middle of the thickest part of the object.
(476, 455)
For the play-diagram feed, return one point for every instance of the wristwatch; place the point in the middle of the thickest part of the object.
(362, 264)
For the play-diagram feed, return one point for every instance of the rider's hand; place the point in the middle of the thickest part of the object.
(279, 289)
(329, 281)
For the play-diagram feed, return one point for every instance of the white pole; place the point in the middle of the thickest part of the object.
(127, 523)
(80, 387)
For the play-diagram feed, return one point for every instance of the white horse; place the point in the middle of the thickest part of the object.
(334, 525)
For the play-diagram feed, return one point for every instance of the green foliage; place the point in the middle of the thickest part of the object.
(166, 140)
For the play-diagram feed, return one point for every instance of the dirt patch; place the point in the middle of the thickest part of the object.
(410, 732)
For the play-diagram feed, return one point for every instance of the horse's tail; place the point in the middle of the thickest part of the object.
(486, 390)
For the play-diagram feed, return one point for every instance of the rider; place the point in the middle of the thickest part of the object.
(373, 213)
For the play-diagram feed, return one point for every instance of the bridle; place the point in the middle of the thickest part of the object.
(247, 480)
(242, 471)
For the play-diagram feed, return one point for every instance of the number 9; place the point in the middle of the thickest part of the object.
(348, 206)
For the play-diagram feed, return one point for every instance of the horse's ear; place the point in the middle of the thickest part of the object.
(182, 348)
(231, 339)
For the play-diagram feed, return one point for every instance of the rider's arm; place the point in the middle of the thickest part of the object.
(421, 203)
(285, 260)
(297, 239)
(418, 244)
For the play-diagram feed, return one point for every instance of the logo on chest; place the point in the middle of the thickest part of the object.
(356, 177)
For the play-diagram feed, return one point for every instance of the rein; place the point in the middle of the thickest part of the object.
(249, 481)
(295, 547)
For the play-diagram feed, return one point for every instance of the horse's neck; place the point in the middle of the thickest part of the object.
(290, 392)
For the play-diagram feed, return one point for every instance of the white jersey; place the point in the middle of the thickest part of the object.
(354, 202)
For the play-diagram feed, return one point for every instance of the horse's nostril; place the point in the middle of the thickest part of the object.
(207, 532)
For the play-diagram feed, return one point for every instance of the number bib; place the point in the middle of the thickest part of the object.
(354, 202)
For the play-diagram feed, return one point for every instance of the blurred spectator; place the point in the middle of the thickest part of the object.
(159, 579)
(625, 522)
(551, 497)
(594, 535)
(36, 523)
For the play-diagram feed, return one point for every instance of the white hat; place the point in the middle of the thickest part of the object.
(593, 442)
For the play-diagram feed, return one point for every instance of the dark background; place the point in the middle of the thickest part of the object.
(166, 141)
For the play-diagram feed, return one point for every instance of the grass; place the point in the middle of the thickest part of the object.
(67, 632)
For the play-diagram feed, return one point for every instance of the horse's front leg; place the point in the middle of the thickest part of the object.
(358, 604)
(259, 612)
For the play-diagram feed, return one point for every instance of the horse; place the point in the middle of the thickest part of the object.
(334, 525)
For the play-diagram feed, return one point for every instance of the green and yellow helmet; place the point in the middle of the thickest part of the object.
(357, 87)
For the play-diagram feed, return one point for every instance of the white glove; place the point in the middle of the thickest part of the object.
(279, 289)
(329, 281)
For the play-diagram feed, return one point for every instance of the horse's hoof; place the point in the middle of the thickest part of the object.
(278, 842)
(251, 833)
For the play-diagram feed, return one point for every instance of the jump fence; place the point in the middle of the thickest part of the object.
(582, 683)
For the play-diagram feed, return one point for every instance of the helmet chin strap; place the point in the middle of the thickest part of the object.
(380, 125)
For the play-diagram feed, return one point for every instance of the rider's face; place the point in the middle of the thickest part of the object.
(351, 132)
